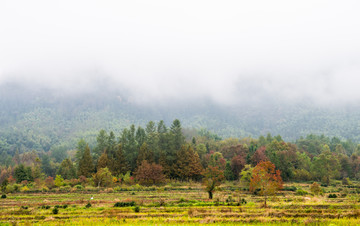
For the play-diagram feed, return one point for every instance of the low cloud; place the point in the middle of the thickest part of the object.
(230, 52)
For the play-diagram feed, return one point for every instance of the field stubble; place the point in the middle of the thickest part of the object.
(188, 205)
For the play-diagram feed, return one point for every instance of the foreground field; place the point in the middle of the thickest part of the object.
(181, 204)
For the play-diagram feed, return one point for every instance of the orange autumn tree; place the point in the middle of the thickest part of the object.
(265, 179)
(213, 178)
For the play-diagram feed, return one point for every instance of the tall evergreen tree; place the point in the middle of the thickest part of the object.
(228, 173)
(22, 173)
(102, 141)
(164, 137)
(152, 139)
(67, 169)
(140, 136)
(86, 165)
(111, 144)
(188, 165)
(177, 136)
(129, 146)
(118, 164)
(145, 154)
(103, 161)
(80, 149)
(46, 166)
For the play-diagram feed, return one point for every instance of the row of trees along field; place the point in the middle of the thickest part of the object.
(157, 153)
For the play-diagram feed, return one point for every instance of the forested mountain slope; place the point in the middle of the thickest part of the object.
(32, 118)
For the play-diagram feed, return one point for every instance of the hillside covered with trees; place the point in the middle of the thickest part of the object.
(34, 118)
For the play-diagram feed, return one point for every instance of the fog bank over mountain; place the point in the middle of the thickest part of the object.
(163, 52)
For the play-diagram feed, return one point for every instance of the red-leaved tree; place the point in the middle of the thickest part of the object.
(265, 179)
(213, 178)
(149, 174)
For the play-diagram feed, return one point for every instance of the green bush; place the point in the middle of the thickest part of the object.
(136, 209)
(332, 196)
(45, 207)
(124, 204)
(88, 205)
(66, 188)
(242, 201)
(79, 187)
(55, 210)
(3, 196)
(291, 188)
(301, 192)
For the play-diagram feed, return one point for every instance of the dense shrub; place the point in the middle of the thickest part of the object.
(88, 205)
(55, 210)
(243, 201)
(291, 188)
(3, 196)
(45, 207)
(124, 204)
(332, 196)
(79, 187)
(136, 209)
(315, 188)
(301, 192)
(66, 188)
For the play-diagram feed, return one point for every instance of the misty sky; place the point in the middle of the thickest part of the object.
(228, 51)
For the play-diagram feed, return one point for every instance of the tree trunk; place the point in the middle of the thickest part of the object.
(210, 194)
(265, 201)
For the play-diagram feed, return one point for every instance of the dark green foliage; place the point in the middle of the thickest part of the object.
(80, 150)
(55, 210)
(88, 205)
(4, 184)
(332, 196)
(3, 196)
(136, 209)
(67, 169)
(101, 144)
(140, 136)
(291, 188)
(145, 154)
(242, 201)
(228, 173)
(177, 137)
(129, 146)
(124, 204)
(22, 173)
(86, 167)
(58, 153)
(47, 166)
(118, 164)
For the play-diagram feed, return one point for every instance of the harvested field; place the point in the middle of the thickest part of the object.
(180, 205)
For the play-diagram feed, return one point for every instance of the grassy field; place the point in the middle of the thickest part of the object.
(182, 203)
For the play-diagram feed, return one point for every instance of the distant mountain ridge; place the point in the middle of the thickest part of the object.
(36, 117)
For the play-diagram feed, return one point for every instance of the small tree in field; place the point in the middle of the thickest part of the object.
(266, 179)
(315, 188)
(103, 178)
(213, 178)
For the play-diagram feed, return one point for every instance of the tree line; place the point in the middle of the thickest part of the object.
(155, 153)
